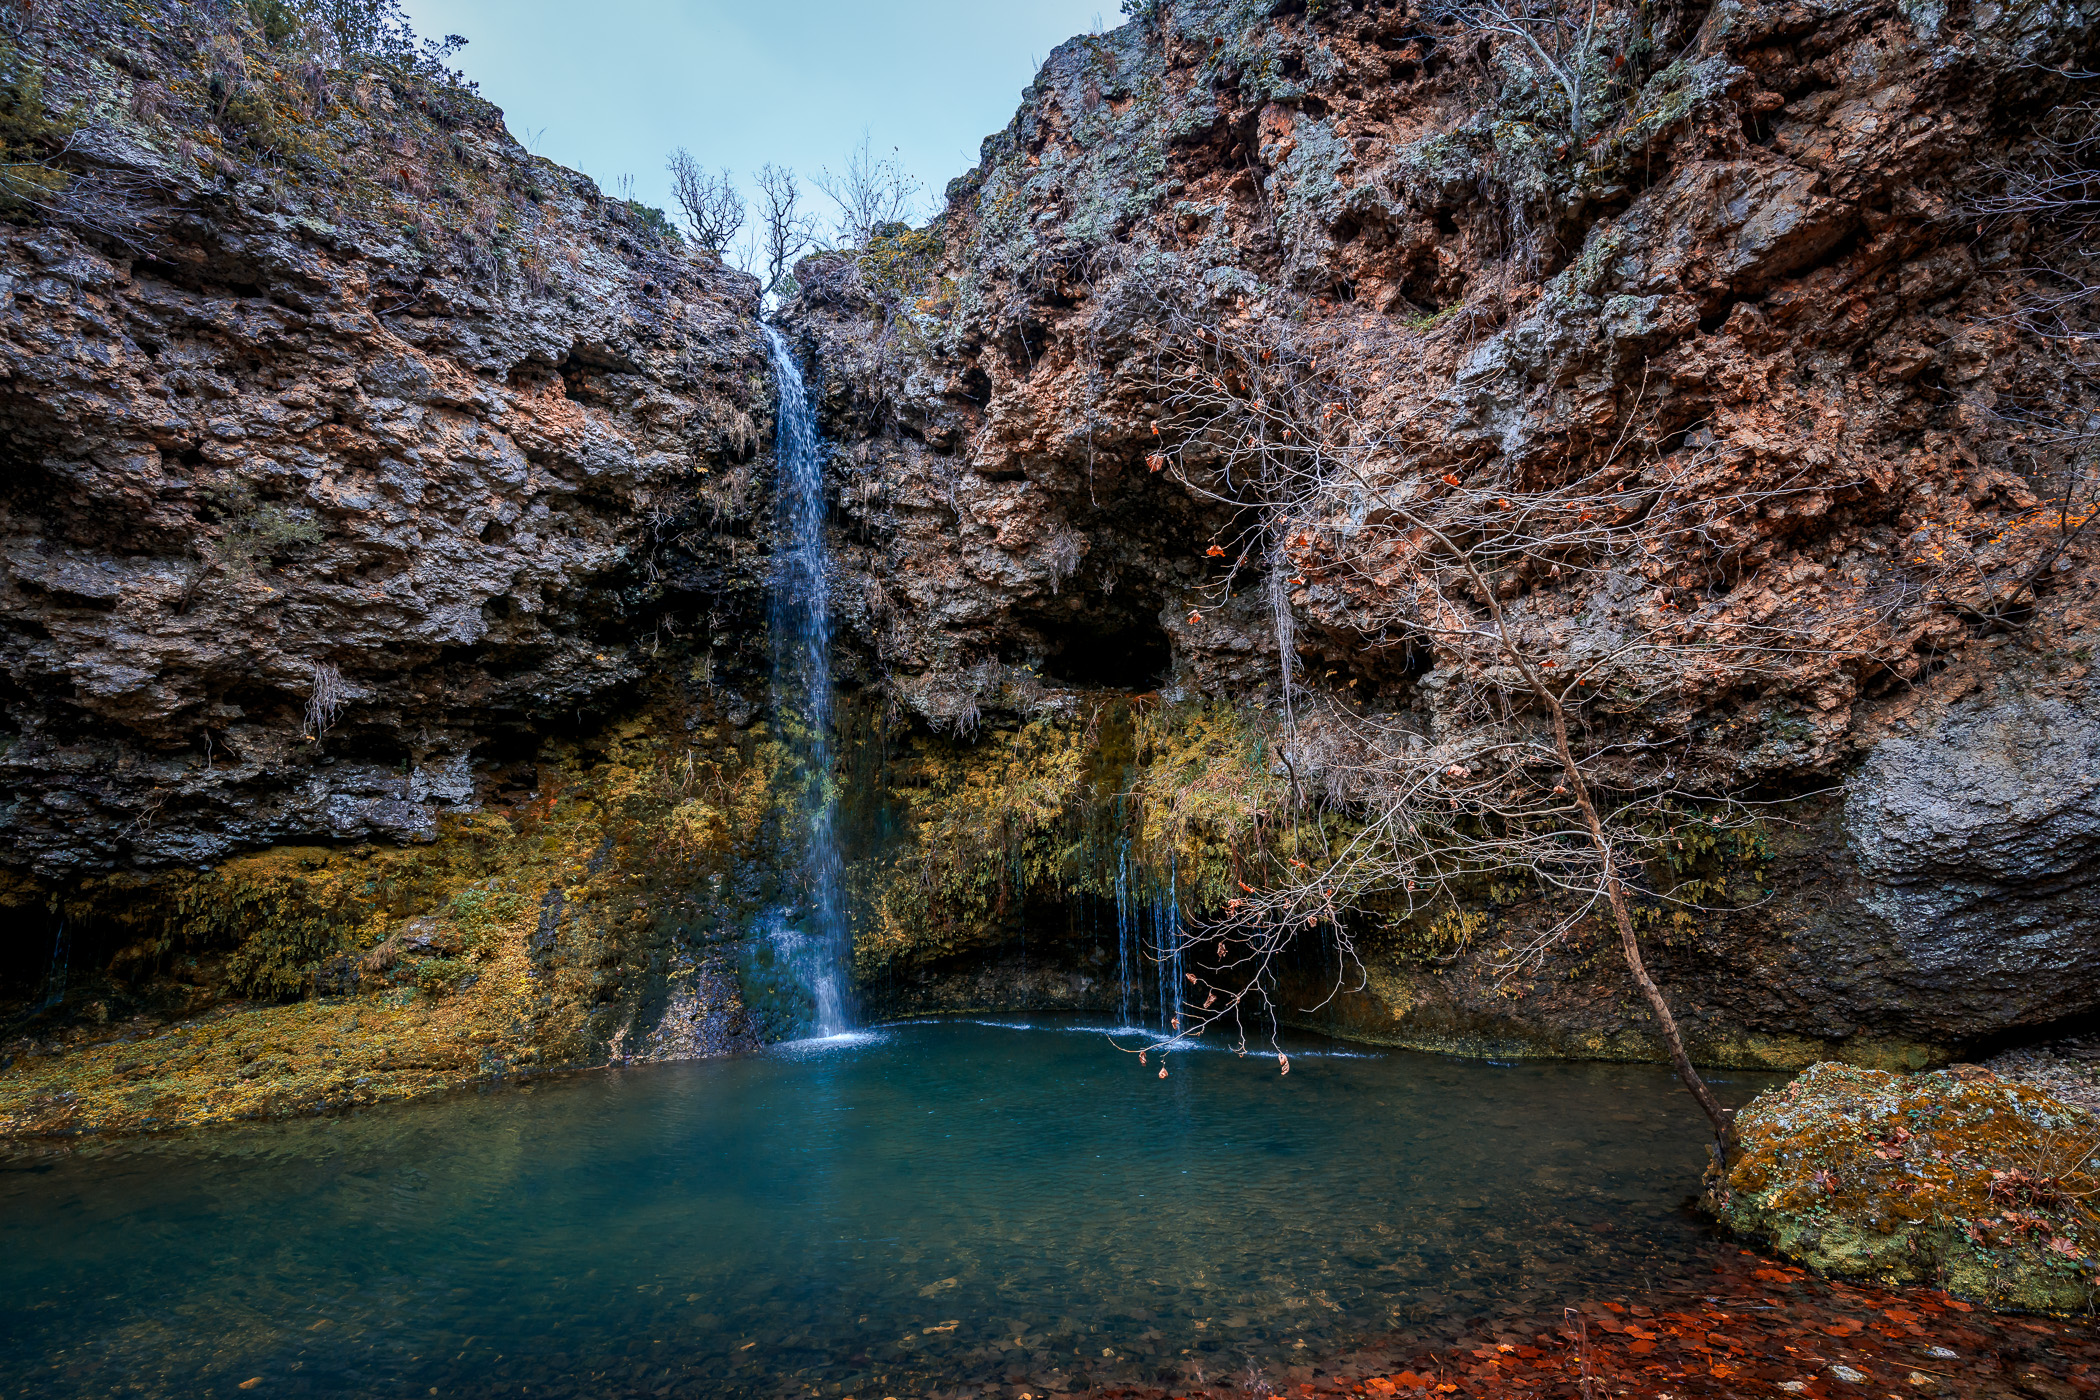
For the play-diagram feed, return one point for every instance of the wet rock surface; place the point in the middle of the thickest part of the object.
(1979, 832)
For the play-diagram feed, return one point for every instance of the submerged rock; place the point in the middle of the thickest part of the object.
(1958, 1178)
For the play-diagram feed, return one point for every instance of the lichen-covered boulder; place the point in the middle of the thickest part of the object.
(1958, 1178)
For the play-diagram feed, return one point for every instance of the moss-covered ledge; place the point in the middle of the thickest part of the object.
(594, 919)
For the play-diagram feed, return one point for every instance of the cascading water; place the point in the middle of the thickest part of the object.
(1166, 944)
(1128, 955)
(55, 979)
(1148, 940)
(813, 939)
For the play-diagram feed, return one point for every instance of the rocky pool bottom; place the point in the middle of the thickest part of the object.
(1730, 1326)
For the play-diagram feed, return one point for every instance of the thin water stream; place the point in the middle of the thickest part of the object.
(932, 1205)
(811, 938)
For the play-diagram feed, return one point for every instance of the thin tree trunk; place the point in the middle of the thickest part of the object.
(1630, 943)
(1614, 888)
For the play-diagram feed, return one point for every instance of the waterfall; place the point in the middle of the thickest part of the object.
(1149, 933)
(55, 978)
(800, 622)
(1170, 952)
(1126, 939)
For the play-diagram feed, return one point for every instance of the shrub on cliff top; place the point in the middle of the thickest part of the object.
(360, 34)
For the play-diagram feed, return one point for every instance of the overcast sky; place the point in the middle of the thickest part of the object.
(610, 87)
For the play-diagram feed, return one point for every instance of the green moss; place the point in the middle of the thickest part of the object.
(551, 926)
(436, 976)
(1960, 1178)
(30, 133)
(284, 912)
(898, 263)
(250, 533)
(1179, 799)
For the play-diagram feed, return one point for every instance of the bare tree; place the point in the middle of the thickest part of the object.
(869, 193)
(713, 209)
(1540, 756)
(1555, 42)
(783, 233)
(2048, 196)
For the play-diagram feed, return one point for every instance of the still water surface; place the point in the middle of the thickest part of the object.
(928, 1205)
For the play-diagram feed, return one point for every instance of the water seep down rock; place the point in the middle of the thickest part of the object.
(1979, 834)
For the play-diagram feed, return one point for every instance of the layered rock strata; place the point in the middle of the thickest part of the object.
(350, 448)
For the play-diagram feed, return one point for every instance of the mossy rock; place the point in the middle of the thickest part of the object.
(1956, 1178)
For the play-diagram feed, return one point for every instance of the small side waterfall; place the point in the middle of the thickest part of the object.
(1166, 944)
(1148, 949)
(1128, 954)
(55, 978)
(812, 939)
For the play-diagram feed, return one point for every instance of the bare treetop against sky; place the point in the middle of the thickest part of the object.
(611, 88)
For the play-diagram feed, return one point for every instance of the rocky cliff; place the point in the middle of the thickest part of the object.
(348, 444)
(386, 514)
(357, 463)
(1765, 283)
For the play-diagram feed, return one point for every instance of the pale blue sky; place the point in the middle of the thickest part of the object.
(610, 87)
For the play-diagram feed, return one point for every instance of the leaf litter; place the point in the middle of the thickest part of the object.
(1751, 1328)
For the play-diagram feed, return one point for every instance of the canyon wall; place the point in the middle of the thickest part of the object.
(1763, 282)
(386, 517)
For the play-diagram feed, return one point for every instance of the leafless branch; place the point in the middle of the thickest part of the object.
(713, 209)
(784, 233)
(1537, 759)
(869, 193)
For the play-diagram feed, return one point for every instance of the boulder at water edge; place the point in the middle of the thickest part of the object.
(1958, 1178)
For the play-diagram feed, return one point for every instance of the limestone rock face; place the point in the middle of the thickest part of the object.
(331, 482)
(1763, 276)
(1981, 839)
(349, 454)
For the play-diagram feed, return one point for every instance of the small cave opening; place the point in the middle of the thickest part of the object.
(32, 945)
(1108, 653)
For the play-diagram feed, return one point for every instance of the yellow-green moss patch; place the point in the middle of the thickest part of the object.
(1954, 1178)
